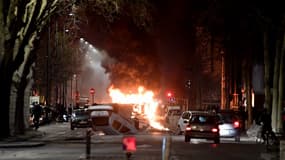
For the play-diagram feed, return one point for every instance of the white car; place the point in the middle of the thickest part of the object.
(183, 121)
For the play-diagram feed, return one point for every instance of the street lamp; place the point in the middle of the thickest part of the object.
(76, 89)
(75, 77)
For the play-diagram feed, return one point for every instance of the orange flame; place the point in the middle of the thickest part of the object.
(144, 102)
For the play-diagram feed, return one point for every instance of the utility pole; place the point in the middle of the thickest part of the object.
(187, 100)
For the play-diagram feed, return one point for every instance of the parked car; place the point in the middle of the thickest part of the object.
(183, 121)
(203, 125)
(80, 119)
(231, 124)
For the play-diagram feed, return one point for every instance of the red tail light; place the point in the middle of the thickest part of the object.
(215, 130)
(188, 128)
(236, 124)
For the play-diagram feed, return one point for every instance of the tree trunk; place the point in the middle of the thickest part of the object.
(19, 21)
(248, 102)
(266, 72)
(248, 91)
(7, 69)
(281, 87)
(227, 79)
(275, 86)
(5, 85)
(19, 117)
(19, 112)
(5, 81)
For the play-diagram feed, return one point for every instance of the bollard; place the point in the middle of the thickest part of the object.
(282, 149)
(166, 145)
(88, 143)
(129, 146)
(128, 155)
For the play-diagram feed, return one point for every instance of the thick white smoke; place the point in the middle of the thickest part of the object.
(93, 74)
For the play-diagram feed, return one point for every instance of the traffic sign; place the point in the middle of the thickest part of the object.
(92, 91)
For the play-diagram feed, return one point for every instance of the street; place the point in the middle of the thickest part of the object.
(142, 68)
(62, 143)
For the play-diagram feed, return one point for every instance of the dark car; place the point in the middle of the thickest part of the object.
(203, 125)
(80, 118)
(231, 124)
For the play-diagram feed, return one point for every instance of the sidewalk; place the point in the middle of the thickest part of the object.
(23, 141)
(54, 132)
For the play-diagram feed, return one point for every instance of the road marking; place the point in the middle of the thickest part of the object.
(144, 146)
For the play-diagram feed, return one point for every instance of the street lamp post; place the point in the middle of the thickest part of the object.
(71, 94)
(92, 93)
(76, 87)
(188, 87)
(76, 97)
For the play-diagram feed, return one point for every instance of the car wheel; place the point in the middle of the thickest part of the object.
(187, 138)
(237, 138)
(217, 140)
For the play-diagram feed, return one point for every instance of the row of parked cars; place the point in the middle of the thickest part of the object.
(210, 125)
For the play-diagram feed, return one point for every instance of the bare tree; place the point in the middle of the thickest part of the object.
(21, 22)
(20, 25)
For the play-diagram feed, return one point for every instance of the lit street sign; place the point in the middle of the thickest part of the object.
(92, 91)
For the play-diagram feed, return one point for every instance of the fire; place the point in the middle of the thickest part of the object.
(144, 101)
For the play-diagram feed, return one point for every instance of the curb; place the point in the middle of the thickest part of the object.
(21, 144)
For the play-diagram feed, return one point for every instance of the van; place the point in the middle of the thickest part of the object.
(105, 117)
(172, 115)
(100, 114)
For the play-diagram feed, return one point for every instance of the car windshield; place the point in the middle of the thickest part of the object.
(203, 119)
(228, 118)
(186, 115)
(80, 113)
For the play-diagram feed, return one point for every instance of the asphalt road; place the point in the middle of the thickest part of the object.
(63, 144)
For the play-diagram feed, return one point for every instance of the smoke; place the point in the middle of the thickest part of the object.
(136, 60)
(93, 74)
(132, 59)
(124, 71)
(130, 71)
